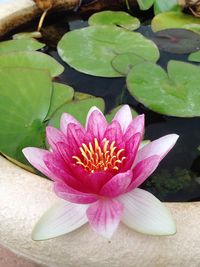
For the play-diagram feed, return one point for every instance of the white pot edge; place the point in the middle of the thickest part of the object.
(24, 197)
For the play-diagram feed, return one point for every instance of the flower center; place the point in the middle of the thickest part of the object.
(100, 157)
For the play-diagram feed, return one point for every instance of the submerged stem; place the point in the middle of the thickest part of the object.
(42, 19)
(128, 5)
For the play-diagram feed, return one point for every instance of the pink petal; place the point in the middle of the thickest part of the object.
(62, 172)
(65, 120)
(104, 216)
(136, 126)
(92, 181)
(143, 170)
(131, 148)
(36, 157)
(62, 218)
(68, 193)
(146, 214)
(54, 136)
(117, 185)
(114, 133)
(159, 147)
(65, 152)
(96, 123)
(124, 117)
(75, 137)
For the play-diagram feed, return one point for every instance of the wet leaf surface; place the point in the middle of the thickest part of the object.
(24, 102)
(31, 60)
(116, 18)
(194, 56)
(78, 109)
(20, 45)
(61, 94)
(123, 63)
(174, 20)
(161, 6)
(176, 93)
(90, 50)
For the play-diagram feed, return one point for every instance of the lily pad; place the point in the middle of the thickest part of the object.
(31, 60)
(161, 6)
(179, 41)
(116, 18)
(124, 62)
(194, 56)
(25, 35)
(81, 96)
(90, 50)
(145, 4)
(176, 93)
(61, 94)
(20, 45)
(112, 113)
(173, 19)
(25, 96)
(78, 109)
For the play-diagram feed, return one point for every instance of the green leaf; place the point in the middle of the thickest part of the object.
(124, 62)
(170, 20)
(25, 35)
(81, 96)
(194, 56)
(78, 109)
(61, 94)
(116, 18)
(24, 102)
(145, 4)
(112, 113)
(31, 60)
(90, 50)
(161, 6)
(176, 93)
(20, 45)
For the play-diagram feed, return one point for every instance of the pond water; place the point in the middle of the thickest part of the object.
(178, 176)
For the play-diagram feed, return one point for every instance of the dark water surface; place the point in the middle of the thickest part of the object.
(178, 176)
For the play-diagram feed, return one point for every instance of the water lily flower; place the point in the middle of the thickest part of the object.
(96, 172)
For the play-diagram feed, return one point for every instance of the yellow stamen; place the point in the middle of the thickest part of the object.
(100, 157)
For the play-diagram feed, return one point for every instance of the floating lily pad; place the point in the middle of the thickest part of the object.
(112, 113)
(31, 60)
(90, 50)
(161, 6)
(61, 94)
(194, 56)
(170, 20)
(24, 103)
(81, 96)
(179, 41)
(124, 62)
(25, 35)
(78, 109)
(116, 18)
(145, 4)
(20, 45)
(176, 93)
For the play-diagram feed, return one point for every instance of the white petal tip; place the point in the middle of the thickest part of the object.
(172, 138)
(166, 229)
(61, 219)
(146, 214)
